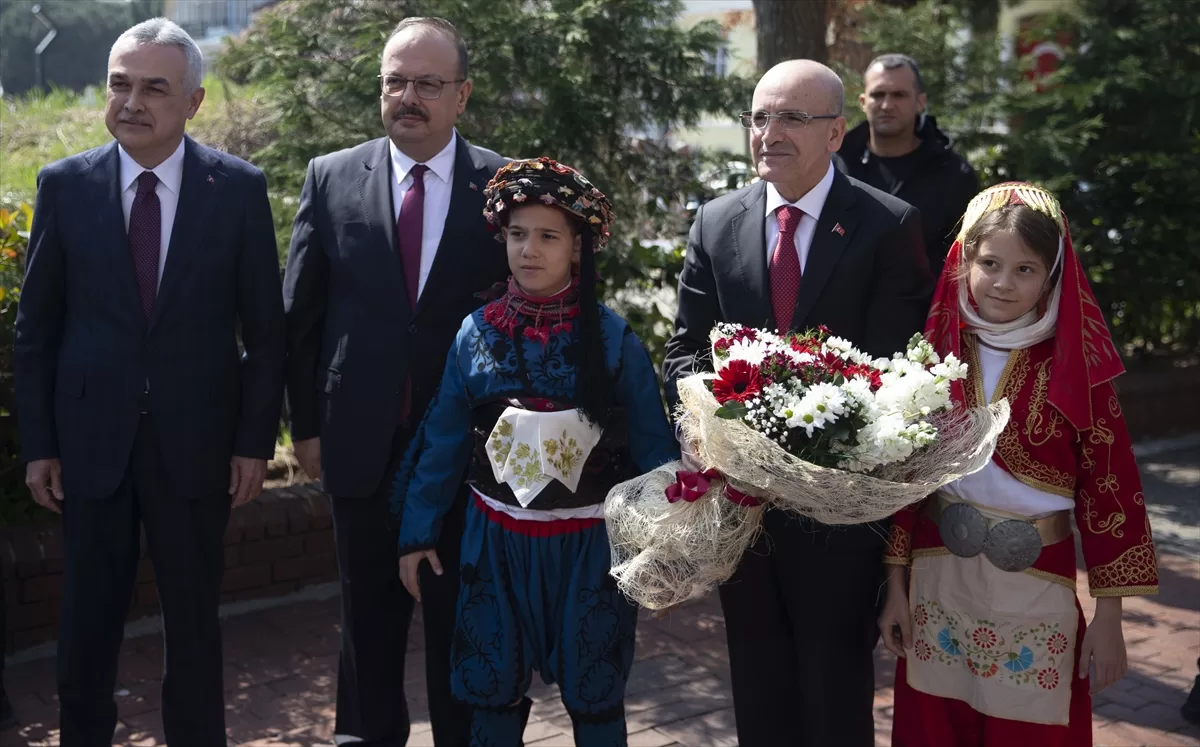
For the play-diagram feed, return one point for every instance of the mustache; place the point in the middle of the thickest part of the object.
(410, 111)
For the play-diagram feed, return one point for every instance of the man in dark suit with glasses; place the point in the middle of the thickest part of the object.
(804, 247)
(389, 251)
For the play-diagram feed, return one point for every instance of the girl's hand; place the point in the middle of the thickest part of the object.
(1104, 646)
(896, 614)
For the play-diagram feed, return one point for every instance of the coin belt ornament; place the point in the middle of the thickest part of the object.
(1013, 545)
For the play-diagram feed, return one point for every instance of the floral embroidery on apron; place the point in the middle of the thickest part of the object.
(1002, 642)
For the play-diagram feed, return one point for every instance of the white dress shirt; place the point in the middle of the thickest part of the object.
(810, 204)
(170, 177)
(992, 486)
(438, 181)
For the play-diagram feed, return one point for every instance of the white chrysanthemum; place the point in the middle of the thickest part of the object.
(858, 390)
(797, 356)
(830, 401)
(751, 351)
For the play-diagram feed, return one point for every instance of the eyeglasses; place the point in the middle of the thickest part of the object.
(427, 88)
(789, 120)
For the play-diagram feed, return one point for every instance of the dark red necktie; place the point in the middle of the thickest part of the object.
(785, 267)
(145, 239)
(410, 231)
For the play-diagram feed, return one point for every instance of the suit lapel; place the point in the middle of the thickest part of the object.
(197, 203)
(375, 192)
(750, 237)
(114, 238)
(835, 229)
(463, 218)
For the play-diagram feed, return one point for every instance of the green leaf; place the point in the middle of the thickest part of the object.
(731, 411)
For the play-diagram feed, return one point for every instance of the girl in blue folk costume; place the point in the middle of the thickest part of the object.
(547, 401)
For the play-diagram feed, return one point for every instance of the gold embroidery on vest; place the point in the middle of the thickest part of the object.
(1134, 572)
(1111, 525)
(1034, 429)
(899, 546)
(1018, 461)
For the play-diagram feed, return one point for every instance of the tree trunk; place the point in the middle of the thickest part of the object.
(789, 30)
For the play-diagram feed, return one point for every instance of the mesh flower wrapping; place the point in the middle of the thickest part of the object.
(807, 423)
(665, 553)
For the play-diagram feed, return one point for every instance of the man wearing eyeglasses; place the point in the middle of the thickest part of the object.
(804, 247)
(389, 249)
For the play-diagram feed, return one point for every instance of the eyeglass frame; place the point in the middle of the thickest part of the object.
(414, 81)
(743, 119)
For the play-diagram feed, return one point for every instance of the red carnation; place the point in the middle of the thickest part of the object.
(737, 382)
(722, 344)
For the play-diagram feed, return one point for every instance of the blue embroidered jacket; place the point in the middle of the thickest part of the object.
(486, 365)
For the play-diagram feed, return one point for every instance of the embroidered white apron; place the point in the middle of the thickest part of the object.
(1002, 642)
(528, 449)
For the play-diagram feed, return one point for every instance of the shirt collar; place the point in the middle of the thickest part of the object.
(442, 165)
(169, 172)
(811, 203)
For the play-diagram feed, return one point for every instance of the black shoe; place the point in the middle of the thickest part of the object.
(8, 719)
(1191, 707)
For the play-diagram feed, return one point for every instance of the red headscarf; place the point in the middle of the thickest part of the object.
(1084, 354)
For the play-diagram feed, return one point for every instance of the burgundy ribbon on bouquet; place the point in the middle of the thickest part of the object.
(690, 486)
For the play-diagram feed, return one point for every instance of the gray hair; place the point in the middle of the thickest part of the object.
(166, 33)
(896, 61)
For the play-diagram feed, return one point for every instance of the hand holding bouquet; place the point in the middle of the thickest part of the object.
(808, 423)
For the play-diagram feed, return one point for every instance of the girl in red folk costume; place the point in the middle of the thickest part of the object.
(992, 642)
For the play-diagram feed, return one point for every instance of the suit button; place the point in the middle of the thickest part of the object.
(412, 329)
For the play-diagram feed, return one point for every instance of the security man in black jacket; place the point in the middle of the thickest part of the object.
(900, 150)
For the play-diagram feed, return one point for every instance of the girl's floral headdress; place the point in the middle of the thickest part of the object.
(545, 181)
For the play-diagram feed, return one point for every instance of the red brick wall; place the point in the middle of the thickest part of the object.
(278, 544)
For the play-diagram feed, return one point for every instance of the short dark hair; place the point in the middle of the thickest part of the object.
(896, 61)
(443, 26)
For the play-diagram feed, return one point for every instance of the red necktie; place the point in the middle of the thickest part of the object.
(145, 239)
(409, 231)
(785, 267)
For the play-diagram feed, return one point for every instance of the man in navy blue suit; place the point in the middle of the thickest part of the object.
(149, 372)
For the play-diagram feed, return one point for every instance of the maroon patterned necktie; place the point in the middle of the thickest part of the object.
(785, 267)
(410, 228)
(145, 239)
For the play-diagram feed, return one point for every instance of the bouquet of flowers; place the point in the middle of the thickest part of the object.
(806, 422)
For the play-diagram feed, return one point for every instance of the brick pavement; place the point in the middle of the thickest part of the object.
(281, 665)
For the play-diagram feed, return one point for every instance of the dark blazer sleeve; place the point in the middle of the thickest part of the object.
(260, 311)
(901, 290)
(305, 293)
(962, 194)
(699, 310)
(40, 317)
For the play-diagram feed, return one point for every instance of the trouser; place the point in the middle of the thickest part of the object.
(376, 611)
(537, 596)
(800, 618)
(101, 548)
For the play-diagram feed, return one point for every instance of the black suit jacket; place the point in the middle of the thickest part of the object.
(85, 352)
(869, 283)
(353, 336)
